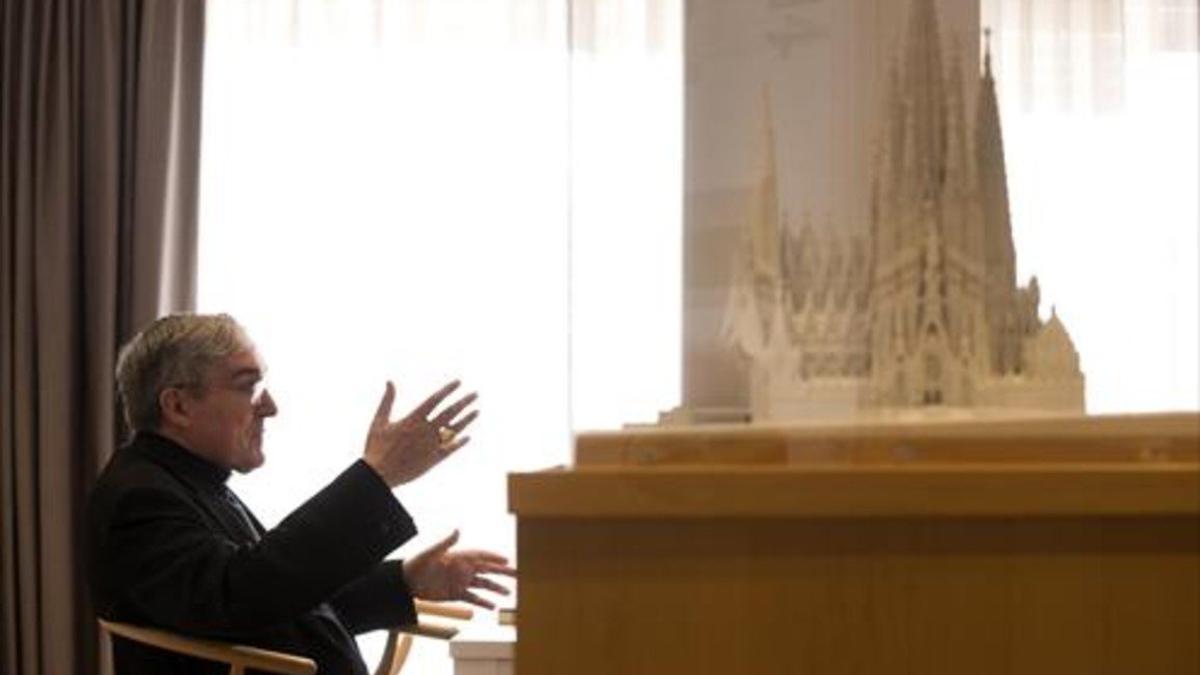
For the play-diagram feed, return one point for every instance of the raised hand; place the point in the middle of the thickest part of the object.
(437, 573)
(402, 451)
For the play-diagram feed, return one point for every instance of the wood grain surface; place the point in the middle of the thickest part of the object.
(1076, 550)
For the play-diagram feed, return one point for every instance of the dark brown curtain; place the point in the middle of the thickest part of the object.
(99, 134)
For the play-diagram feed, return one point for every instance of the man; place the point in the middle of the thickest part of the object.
(170, 546)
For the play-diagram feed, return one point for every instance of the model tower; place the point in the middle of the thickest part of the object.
(922, 311)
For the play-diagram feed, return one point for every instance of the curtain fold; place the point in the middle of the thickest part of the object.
(99, 135)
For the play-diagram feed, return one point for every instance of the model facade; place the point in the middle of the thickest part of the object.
(920, 310)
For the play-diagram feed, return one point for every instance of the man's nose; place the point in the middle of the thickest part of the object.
(265, 406)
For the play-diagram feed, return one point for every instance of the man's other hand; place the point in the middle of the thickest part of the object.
(437, 573)
(402, 451)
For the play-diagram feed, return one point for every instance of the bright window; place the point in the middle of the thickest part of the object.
(491, 190)
(388, 192)
(1099, 102)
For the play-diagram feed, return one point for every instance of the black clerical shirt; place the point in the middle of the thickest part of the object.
(170, 545)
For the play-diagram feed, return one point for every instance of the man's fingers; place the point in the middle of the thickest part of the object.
(384, 412)
(457, 443)
(462, 424)
(468, 596)
(446, 416)
(433, 401)
(489, 585)
(481, 557)
(492, 563)
(497, 568)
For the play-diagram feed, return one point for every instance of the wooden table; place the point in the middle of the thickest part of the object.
(1036, 546)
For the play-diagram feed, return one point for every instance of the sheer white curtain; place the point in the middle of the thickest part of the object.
(626, 204)
(388, 191)
(1100, 101)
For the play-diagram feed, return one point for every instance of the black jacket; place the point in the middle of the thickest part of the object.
(167, 548)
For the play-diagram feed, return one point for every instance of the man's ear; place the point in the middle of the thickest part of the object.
(175, 408)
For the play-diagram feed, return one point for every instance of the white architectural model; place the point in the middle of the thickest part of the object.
(921, 311)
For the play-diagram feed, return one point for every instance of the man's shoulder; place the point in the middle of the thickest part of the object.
(132, 488)
(130, 471)
(131, 464)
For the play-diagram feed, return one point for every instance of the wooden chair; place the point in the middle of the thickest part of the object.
(240, 657)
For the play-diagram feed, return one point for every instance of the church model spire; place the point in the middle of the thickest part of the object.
(764, 205)
(1000, 259)
(924, 89)
(757, 268)
(923, 311)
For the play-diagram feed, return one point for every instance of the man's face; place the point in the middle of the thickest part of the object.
(227, 413)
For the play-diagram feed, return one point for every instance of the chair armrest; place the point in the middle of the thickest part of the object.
(238, 657)
(440, 609)
(399, 640)
(430, 630)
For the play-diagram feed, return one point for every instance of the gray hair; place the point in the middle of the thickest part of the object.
(174, 351)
